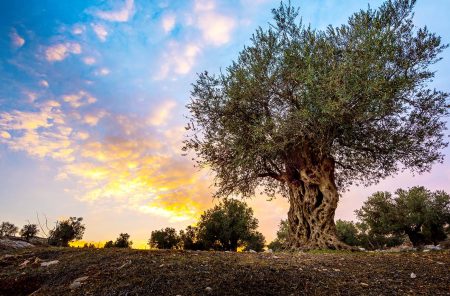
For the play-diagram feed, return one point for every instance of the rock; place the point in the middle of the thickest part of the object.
(426, 250)
(364, 284)
(432, 247)
(78, 282)
(275, 257)
(361, 249)
(6, 243)
(269, 251)
(162, 265)
(252, 251)
(336, 269)
(208, 289)
(413, 275)
(24, 263)
(49, 263)
(125, 264)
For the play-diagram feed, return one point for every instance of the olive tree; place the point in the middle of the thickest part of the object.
(306, 112)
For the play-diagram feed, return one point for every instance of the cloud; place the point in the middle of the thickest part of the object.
(89, 60)
(16, 39)
(100, 31)
(178, 59)
(78, 29)
(41, 133)
(216, 28)
(168, 22)
(92, 119)
(161, 113)
(79, 99)
(121, 15)
(102, 72)
(43, 83)
(59, 52)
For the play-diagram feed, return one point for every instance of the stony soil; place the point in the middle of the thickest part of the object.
(139, 272)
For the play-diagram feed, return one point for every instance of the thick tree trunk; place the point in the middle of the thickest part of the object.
(313, 199)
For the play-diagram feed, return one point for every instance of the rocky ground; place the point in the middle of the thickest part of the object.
(59, 271)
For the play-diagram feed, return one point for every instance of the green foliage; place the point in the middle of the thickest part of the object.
(164, 239)
(123, 241)
(356, 94)
(255, 242)
(8, 229)
(228, 225)
(66, 231)
(28, 231)
(417, 212)
(280, 242)
(347, 232)
(109, 244)
(358, 234)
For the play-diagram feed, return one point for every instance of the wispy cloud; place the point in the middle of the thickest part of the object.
(161, 113)
(100, 31)
(59, 52)
(16, 39)
(79, 99)
(178, 59)
(121, 15)
(168, 22)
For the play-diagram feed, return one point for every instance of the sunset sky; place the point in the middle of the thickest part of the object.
(92, 107)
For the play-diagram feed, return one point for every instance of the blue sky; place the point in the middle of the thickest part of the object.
(92, 106)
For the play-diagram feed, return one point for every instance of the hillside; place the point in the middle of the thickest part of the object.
(138, 272)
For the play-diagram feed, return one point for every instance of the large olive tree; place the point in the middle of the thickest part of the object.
(308, 112)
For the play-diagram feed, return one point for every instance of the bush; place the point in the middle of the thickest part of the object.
(255, 242)
(8, 229)
(28, 231)
(164, 239)
(66, 231)
(109, 244)
(281, 241)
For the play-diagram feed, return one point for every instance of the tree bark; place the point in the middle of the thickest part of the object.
(313, 199)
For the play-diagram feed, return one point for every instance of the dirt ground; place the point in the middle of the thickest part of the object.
(140, 272)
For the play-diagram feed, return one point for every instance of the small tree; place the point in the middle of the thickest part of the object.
(281, 241)
(417, 212)
(164, 239)
(347, 232)
(228, 225)
(28, 231)
(190, 240)
(109, 244)
(255, 242)
(8, 229)
(66, 231)
(123, 241)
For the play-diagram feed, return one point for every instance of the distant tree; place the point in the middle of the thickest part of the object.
(28, 231)
(281, 241)
(164, 239)
(256, 242)
(419, 213)
(306, 112)
(109, 244)
(347, 232)
(8, 229)
(190, 240)
(123, 241)
(66, 231)
(359, 234)
(89, 246)
(228, 225)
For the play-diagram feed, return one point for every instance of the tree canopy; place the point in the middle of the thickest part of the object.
(66, 231)
(357, 93)
(417, 212)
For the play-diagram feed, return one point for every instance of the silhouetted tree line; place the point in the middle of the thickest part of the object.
(228, 226)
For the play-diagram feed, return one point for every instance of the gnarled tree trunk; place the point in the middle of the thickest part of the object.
(313, 199)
